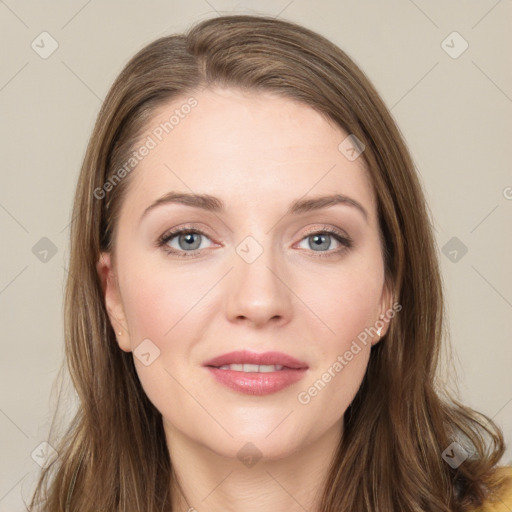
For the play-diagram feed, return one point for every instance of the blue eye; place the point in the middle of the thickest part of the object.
(321, 240)
(187, 239)
(189, 242)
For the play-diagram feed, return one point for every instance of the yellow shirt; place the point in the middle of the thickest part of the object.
(504, 503)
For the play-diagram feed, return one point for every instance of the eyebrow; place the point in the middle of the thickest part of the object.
(216, 205)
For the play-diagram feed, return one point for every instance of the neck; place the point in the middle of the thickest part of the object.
(204, 480)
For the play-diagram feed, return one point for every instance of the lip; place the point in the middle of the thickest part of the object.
(265, 358)
(255, 383)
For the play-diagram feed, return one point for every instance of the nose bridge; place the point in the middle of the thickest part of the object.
(256, 290)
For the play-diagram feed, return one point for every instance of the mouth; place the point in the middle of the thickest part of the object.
(246, 361)
(256, 374)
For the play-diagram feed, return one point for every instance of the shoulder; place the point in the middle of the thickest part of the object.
(502, 503)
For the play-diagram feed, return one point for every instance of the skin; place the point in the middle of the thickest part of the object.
(258, 153)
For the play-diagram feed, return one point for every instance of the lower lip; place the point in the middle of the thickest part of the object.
(257, 383)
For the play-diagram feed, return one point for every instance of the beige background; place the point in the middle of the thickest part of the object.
(455, 114)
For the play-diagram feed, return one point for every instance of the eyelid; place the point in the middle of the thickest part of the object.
(174, 232)
(326, 228)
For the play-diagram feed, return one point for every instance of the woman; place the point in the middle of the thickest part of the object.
(254, 310)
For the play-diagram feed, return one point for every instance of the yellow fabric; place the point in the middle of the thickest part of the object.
(504, 503)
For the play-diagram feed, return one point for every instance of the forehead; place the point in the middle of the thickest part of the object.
(246, 144)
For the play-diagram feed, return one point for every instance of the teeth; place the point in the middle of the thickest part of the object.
(270, 368)
(252, 368)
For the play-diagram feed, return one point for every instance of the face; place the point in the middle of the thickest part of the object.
(257, 273)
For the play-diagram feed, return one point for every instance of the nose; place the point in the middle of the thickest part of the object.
(257, 292)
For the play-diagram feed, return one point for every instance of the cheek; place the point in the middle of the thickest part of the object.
(347, 307)
(157, 303)
(346, 303)
(164, 307)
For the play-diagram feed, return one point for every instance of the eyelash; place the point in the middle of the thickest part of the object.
(166, 237)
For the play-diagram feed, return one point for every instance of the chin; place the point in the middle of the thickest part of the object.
(250, 449)
(277, 433)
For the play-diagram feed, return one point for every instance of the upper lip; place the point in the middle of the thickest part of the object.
(264, 358)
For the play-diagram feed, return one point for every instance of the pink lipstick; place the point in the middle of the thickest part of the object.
(256, 374)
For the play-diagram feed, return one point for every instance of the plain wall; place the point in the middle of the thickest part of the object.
(455, 114)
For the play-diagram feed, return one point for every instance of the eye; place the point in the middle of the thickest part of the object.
(322, 242)
(188, 242)
(182, 241)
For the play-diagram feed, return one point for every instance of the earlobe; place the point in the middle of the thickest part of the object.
(113, 303)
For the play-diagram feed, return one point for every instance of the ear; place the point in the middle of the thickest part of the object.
(113, 303)
(386, 307)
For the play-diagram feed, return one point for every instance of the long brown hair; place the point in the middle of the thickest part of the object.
(113, 456)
